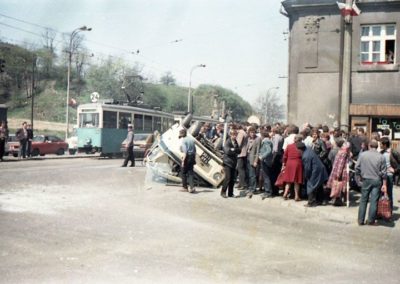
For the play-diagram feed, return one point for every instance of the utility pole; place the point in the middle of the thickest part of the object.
(33, 87)
(346, 73)
(71, 39)
(190, 98)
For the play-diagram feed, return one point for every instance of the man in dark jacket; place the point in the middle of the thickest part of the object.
(315, 175)
(266, 160)
(29, 131)
(22, 137)
(129, 146)
(231, 151)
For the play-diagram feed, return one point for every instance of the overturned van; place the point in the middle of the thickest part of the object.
(164, 158)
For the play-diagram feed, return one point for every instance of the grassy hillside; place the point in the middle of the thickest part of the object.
(112, 78)
(49, 104)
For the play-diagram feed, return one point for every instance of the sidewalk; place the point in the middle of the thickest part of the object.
(342, 214)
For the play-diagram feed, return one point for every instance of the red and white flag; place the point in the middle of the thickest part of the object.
(346, 10)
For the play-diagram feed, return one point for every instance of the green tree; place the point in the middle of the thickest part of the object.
(105, 79)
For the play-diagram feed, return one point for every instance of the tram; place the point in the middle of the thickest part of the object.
(102, 125)
(3, 112)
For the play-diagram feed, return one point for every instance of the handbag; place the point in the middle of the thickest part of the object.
(384, 210)
(279, 181)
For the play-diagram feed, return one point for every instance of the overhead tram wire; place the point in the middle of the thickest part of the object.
(20, 29)
(29, 23)
(94, 42)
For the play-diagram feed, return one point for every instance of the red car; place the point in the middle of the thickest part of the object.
(48, 144)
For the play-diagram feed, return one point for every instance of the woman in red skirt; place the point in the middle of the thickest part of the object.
(292, 168)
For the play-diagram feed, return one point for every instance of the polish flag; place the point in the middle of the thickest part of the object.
(347, 10)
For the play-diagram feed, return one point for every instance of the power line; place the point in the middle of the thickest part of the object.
(29, 23)
(22, 30)
(137, 52)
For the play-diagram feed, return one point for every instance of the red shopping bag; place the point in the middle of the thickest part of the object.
(384, 209)
(279, 181)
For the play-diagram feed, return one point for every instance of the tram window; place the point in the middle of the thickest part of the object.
(157, 123)
(109, 119)
(138, 122)
(124, 119)
(148, 123)
(165, 124)
(88, 120)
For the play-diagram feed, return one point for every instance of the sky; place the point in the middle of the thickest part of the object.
(242, 42)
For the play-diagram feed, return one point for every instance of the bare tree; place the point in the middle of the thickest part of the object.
(269, 108)
(48, 53)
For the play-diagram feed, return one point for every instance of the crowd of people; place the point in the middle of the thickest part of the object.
(311, 163)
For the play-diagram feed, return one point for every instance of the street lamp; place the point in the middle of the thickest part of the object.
(71, 39)
(190, 99)
(266, 100)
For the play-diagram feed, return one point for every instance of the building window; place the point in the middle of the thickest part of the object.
(378, 44)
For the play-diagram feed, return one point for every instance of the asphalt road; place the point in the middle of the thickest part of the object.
(91, 221)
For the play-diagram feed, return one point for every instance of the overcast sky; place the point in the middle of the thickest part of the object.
(241, 41)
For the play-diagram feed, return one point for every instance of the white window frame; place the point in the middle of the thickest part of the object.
(381, 40)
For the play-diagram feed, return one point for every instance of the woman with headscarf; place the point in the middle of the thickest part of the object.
(338, 178)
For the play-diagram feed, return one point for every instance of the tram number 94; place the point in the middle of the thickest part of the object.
(205, 158)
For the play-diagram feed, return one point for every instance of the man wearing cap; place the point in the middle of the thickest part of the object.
(129, 147)
(188, 149)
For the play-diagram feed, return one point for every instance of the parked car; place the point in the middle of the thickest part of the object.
(48, 144)
(140, 144)
(12, 146)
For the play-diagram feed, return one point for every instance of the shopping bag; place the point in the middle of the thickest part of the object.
(279, 181)
(384, 210)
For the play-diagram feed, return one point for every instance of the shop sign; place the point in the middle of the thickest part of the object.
(381, 123)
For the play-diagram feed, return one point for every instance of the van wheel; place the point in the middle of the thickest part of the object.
(60, 152)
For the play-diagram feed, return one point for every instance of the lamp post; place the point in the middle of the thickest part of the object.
(71, 39)
(190, 99)
(266, 97)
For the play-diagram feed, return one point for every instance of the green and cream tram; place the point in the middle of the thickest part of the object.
(102, 126)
